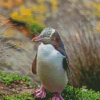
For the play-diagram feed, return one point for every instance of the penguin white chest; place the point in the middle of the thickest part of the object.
(50, 68)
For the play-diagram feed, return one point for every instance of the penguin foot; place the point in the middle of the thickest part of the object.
(40, 93)
(57, 97)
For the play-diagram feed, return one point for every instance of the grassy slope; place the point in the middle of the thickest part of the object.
(68, 94)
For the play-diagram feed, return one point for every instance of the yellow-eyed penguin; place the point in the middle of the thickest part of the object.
(51, 64)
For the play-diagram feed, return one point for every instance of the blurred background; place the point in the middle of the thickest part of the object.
(77, 22)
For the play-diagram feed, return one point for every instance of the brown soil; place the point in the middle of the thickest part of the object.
(15, 87)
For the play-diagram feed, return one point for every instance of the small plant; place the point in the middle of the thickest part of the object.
(7, 79)
(25, 96)
(80, 94)
(35, 28)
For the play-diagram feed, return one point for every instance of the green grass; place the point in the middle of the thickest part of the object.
(35, 28)
(25, 96)
(7, 79)
(68, 93)
(80, 94)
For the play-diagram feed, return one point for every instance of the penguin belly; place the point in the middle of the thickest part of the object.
(50, 68)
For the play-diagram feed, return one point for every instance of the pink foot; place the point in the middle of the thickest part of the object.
(40, 93)
(57, 97)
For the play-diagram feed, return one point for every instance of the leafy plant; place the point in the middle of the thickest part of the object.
(25, 96)
(7, 79)
(35, 28)
(80, 94)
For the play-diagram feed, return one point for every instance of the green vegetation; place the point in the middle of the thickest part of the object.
(35, 15)
(7, 79)
(25, 96)
(25, 15)
(35, 28)
(80, 94)
(68, 93)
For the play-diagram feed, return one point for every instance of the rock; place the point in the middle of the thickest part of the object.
(18, 53)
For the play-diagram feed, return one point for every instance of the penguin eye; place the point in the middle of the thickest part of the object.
(49, 32)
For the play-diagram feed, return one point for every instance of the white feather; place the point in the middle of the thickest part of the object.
(53, 31)
(50, 69)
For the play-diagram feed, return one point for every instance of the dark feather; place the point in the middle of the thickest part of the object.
(34, 65)
(66, 66)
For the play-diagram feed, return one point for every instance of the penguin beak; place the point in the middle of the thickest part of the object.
(38, 38)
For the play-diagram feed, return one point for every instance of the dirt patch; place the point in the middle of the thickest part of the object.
(16, 87)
